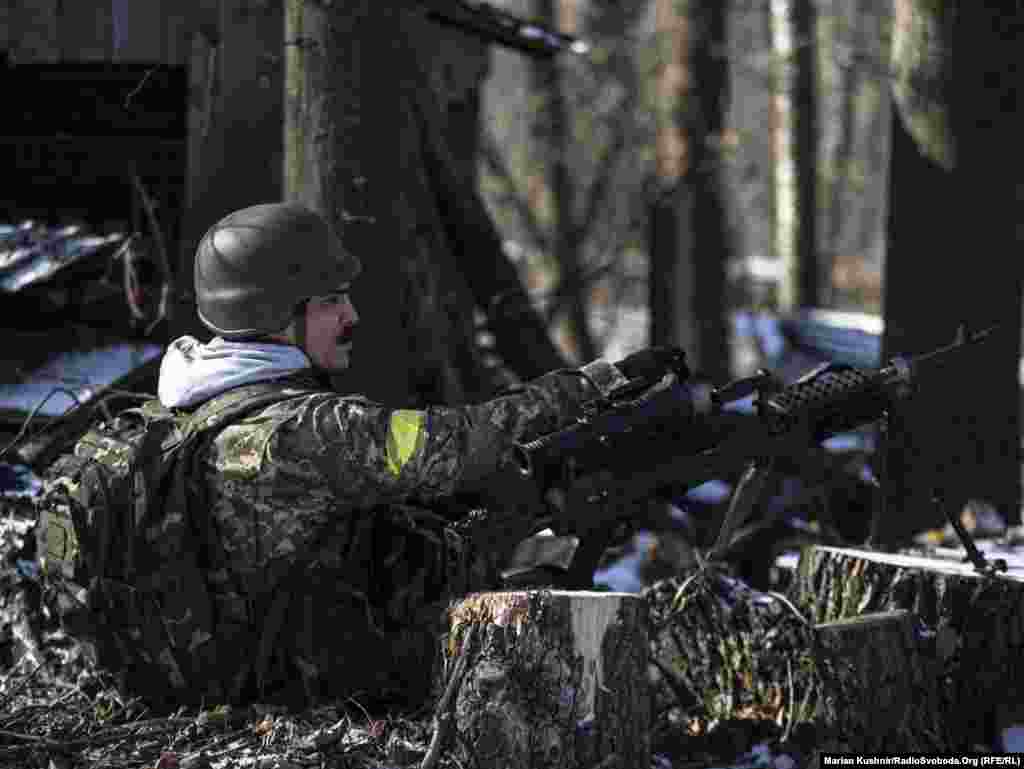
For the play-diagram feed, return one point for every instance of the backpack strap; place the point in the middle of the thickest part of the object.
(234, 404)
(203, 424)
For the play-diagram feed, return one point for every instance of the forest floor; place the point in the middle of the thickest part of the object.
(58, 712)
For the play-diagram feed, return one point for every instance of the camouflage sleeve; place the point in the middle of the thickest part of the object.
(373, 454)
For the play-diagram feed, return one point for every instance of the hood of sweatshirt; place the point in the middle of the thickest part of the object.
(192, 372)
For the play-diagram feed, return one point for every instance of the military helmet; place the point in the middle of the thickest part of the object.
(255, 265)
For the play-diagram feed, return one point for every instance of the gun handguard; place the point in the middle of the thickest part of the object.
(833, 399)
(676, 438)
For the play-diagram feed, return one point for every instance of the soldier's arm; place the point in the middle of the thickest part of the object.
(375, 454)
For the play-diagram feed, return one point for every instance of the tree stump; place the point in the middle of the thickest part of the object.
(549, 679)
(970, 625)
(888, 687)
(722, 651)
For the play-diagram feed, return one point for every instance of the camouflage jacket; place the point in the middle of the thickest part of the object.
(351, 487)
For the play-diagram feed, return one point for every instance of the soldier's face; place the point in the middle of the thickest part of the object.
(330, 321)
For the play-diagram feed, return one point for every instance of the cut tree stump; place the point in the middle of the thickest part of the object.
(549, 678)
(970, 625)
(722, 651)
(888, 687)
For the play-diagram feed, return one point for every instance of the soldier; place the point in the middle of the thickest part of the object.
(337, 550)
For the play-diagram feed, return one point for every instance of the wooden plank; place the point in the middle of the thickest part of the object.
(85, 32)
(138, 30)
(34, 31)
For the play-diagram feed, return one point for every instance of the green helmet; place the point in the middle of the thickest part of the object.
(254, 267)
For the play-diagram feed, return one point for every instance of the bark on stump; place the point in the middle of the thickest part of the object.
(887, 686)
(723, 651)
(549, 679)
(971, 626)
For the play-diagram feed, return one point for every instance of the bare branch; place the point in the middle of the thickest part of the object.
(491, 154)
(600, 189)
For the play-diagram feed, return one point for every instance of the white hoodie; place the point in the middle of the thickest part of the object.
(192, 372)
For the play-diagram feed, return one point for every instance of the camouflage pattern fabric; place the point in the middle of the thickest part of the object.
(128, 557)
(329, 511)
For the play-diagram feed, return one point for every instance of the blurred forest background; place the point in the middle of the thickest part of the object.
(697, 131)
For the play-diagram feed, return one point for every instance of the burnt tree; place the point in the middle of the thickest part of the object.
(379, 102)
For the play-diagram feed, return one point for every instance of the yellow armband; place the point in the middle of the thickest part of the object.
(406, 436)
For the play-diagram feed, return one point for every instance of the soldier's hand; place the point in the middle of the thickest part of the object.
(652, 363)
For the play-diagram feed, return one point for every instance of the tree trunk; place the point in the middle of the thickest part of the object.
(549, 678)
(712, 243)
(990, 234)
(690, 242)
(971, 625)
(795, 153)
(374, 94)
(552, 128)
(672, 280)
(922, 69)
(235, 111)
(840, 80)
(951, 187)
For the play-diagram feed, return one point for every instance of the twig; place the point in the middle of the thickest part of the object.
(792, 704)
(114, 734)
(32, 415)
(787, 602)
(161, 250)
(19, 686)
(137, 88)
(491, 153)
(443, 714)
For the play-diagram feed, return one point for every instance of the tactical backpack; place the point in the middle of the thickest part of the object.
(129, 552)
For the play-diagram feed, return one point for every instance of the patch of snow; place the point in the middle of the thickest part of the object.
(75, 376)
(866, 323)
(711, 493)
(788, 560)
(19, 481)
(623, 576)
(1013, 739)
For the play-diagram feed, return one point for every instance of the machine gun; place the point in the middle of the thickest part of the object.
(592, 475)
